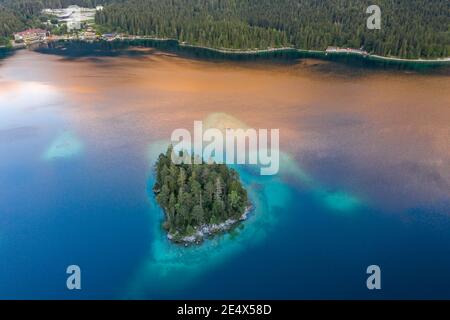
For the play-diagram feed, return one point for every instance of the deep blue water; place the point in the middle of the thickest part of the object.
(67, 199)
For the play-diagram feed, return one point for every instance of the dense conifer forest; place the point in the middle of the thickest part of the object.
(193, 195)
(410, 28)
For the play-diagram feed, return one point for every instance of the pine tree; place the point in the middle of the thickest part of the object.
(192, 195)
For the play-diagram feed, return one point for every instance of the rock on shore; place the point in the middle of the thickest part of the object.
(210, 229)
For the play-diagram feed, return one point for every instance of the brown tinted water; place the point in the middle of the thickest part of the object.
(386, 133)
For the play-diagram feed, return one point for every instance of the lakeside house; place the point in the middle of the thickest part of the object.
(31, 36)
(89, 34)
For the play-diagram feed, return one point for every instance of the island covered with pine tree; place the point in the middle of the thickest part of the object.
(198, 200)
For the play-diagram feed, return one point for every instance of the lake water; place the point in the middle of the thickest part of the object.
(364, 179)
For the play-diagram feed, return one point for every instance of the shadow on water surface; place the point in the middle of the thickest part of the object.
(350, 65)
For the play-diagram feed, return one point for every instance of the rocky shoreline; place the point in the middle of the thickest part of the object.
(209, 230)
(229, 51)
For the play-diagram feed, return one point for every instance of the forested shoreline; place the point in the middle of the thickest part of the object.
(411, 29)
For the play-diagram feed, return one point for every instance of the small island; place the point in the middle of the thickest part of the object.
(198, 200)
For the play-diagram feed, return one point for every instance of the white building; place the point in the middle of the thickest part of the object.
(74, 16)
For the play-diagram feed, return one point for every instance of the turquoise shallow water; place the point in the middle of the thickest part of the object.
(95, 209)
(170, 267)
(66, 145)
(75, 188)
